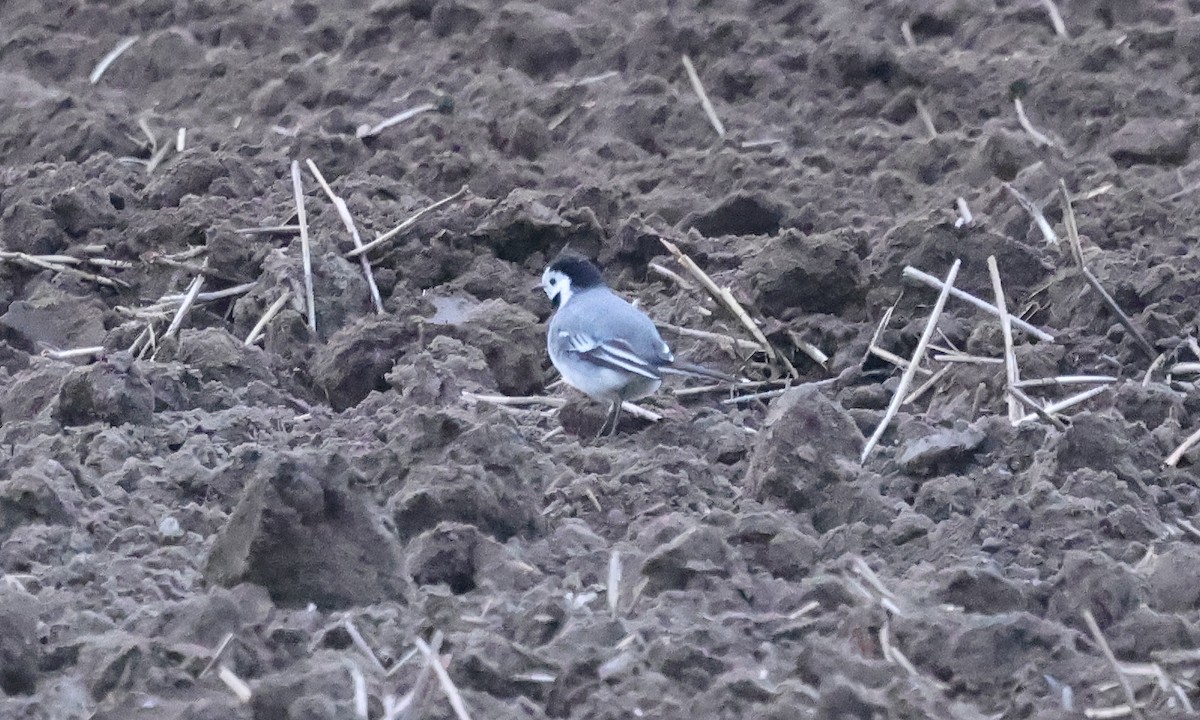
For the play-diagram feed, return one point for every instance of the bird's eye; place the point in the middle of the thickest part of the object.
(553, 281)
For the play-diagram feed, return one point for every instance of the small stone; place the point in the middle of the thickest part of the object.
(1175, 579)
(169, 528)
(1151, 141)
(113, 392)
(931, 454)
(804, 272)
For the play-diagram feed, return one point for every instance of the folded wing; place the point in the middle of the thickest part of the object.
(615, 354)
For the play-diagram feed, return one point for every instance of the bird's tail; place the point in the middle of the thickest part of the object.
(696, 371)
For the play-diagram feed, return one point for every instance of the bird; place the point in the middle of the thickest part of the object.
(601, 344)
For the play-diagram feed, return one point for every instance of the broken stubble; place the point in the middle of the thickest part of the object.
(914, 363)
(412, 220)
(1012, 374)
(725, 298)
(705, 103)
(305, 251)
(927, 279)
(344, 213)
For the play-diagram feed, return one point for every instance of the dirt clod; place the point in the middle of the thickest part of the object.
(299, 532)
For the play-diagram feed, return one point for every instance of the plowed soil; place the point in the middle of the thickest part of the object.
(184, 517)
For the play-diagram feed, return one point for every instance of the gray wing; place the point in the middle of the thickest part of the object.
(616, 354)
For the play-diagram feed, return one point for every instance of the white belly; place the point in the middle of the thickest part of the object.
(602, 383)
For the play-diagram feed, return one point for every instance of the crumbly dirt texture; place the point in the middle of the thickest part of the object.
(180, 509)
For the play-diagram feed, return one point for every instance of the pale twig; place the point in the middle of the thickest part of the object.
(35, 261)
(804, 609)
(452, 694)
(1185, 368)
(144, 338)
(1067, 380)
(725, 297)
(926, 386)
(110, 263)
(1155, 364)
(408, 706)
(813, 352)
(111, 57)
(344, 213)
(408, 223)
(1065, 403)
(1165, 682)
(1126, 687)
(907, 33)
(1093, 193)
(883, 323)
(582, 82)
(963, 358)
(1060, 28)
(927, 279)
(670, 275)
(894, 359)
(271, 312)
(305, 251)
(360, 690)
(724, 388)
(156, 159)
(965, 217)
(361, 643)
(613, 589)
(144, 125)
(926, 119)
(754, 397)
(272, 230)
(705, 103)
(1039, 138)
(1174, 458)
(1139, 339)
(1012, 374)
(765, 142)
(911, 370)
(1077, 249)
(365, 131)
(718, 338)
(184, 306)
(1021, 396)
(1036, 213)
(860, 567)
(180, 139)
(1107, 713)
(74, 353)
(217, 654)
(235, 684)
(210, 296)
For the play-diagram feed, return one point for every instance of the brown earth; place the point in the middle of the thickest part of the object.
(155, 503)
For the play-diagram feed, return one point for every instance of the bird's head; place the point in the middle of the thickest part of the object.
(567, 275)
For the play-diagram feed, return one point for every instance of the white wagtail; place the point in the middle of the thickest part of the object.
(601, 344)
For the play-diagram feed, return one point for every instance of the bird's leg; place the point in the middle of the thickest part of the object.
(609, 419)
(616, 415)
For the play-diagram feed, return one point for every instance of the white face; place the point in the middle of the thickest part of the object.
(557, 286)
